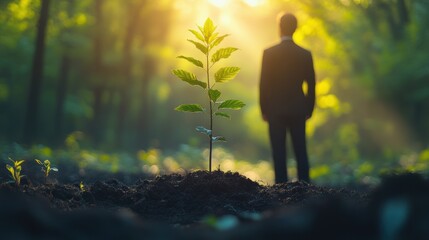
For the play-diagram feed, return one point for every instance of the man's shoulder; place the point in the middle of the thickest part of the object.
(279, 46)
(272, 48)
(305, 51)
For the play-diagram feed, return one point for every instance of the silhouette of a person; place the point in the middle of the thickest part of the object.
(284, 105)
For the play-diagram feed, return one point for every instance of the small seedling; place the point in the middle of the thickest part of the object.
(206, 39)
(82, 187)
(46, 167)
(15, 171)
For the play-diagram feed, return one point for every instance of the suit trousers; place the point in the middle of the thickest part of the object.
(278, 127)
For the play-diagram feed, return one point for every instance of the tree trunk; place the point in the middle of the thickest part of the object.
(62, 85)
(96, 125)
(142, 127)
(32, 111)
(61, 96)
(125, 90)
(404, 17)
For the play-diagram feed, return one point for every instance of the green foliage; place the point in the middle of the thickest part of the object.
(226, 74)
(196, 62)
(222, 114)
(214, 94)
(380, 86)
(231, 104)
(223, 53)
(189, 108)
(46, 167)
(15, 170)
(189, 77)
(206, 40)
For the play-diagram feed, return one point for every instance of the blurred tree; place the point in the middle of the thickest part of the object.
(34, 90)
(63, 77)
(98, 84)
(151, 36)
(399, 71)
(107, 63)
(133, 9)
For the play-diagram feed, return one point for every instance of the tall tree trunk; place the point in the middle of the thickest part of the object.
(125, 90)
(416, 119)
(395, 30)
(61, 96)
(142, 138)
(62, 84)
(32, 111)
(97, 88)
(404, 17)
(142, 127)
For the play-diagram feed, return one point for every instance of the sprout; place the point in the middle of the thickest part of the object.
(15, 170)
(46, 167)
(82, 187)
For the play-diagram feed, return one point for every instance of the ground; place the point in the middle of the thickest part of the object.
(198, 205)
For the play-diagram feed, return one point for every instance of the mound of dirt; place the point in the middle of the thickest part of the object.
(183, 199)
(232, 206)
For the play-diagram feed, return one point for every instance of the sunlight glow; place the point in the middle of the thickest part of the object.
(254, 3)
(219, 3)
(225, 19)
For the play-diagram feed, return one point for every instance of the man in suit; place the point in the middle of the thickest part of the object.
(284, 105)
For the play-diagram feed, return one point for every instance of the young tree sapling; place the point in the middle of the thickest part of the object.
(206, 40)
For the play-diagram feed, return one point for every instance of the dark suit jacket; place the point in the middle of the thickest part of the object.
(285, 67)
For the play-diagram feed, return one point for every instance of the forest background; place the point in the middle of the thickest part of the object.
(89, 83)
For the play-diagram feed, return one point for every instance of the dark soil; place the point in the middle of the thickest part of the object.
(178, 199)
(194, 205)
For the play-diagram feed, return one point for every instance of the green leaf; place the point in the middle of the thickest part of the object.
(197, 35)
(189, 108)
(218, 40)
(204, 130)
(218, 139)
(196, 62)
(226, 74)
(231, 104)
(18, 163)
(213, 37)
(10, 169)
(38, 161)
(189, 78)
(222, 114)
(223, 53)
(208, 29)
(200, 46)
(214, 94)
(202, 31)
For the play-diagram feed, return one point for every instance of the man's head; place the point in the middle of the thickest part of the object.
(288, 24)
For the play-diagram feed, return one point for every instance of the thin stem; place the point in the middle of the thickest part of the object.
(211, 110)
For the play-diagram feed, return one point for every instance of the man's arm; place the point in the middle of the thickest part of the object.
(263, 86)
(311, 82)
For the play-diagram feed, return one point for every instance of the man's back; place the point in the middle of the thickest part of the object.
(284, 105)
(285, 67)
